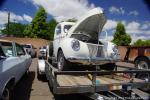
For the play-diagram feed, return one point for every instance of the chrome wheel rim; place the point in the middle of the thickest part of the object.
(5, 95)
(60, 62)
(142, 65)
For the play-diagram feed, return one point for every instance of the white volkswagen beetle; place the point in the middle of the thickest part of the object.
(79, 42)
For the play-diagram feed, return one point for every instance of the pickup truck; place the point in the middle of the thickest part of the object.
(77, 43)
(140, 56)
(14, 63)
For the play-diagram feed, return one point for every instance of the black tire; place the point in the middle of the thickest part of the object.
(61, 61)
(51, 49)
(26, 74)
(35, 55)
(8, 93)
(38, 75)
(109, 66)
(142, 63)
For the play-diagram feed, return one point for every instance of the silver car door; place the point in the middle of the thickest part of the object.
(20, 53)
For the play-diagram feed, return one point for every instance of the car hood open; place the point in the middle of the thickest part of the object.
(91, 24)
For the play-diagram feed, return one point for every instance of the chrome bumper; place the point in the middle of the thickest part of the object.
(91, 61)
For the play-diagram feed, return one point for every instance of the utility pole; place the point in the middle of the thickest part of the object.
(8, 19)
(8, 22)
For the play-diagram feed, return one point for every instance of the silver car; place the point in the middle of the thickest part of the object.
(14, 63)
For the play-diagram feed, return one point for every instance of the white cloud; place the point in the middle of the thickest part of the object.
(146, 25)
(136, 31)
(137, 28)
(110, 24)
(135, 13)
(133, 27)
(115, 10)
(64, 9)
(27, 18)
(135, 37)
(110, 38)
(13, 17)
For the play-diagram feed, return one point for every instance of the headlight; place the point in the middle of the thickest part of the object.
(115, 52)
(114, 48)
(75, 44)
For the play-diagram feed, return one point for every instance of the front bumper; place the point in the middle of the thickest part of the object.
(41, 72)
(91, 61)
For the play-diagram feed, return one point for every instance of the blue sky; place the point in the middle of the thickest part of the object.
(134, 14)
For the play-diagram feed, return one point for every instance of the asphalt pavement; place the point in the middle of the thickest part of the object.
(30, 88)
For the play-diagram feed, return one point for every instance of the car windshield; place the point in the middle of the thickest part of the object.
(7, 49)
(44, 47)
(66, 28)
(2, 55)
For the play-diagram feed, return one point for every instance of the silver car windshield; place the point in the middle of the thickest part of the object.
(7, 49)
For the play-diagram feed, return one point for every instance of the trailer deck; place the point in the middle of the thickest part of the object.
(69, 82)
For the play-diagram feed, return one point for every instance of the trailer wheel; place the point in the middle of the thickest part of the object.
(61, 61)
(51, 49)
(142, 63)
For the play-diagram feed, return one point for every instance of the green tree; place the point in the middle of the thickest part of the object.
(141, 42)
(121, 38)
(15, 29)
(51, 28)
(38, 26)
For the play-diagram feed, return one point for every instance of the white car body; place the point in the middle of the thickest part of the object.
(88, 53)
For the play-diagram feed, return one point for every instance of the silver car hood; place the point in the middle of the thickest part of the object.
(91, 24)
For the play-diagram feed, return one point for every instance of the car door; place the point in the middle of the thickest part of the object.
(20, 53)
(10, 63)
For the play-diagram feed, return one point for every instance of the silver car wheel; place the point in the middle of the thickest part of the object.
(6, 94)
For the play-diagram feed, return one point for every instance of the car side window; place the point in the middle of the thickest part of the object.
(19, 49)
(7, 49)
(58, 30)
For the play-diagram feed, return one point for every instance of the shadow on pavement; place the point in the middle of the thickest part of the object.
(42, 78)
(23, 89)
(71, 97)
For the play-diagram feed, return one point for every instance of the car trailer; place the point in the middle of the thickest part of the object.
(98, 85)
